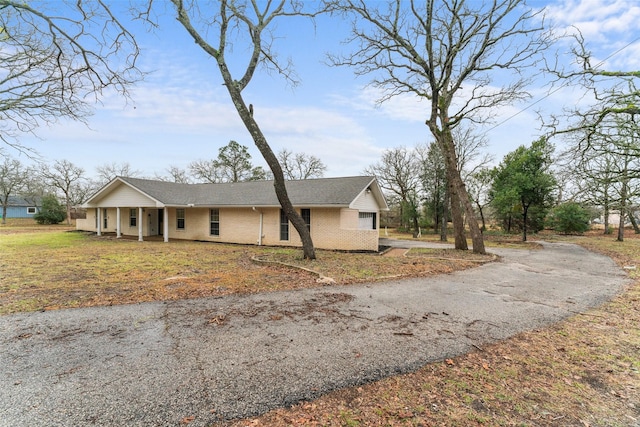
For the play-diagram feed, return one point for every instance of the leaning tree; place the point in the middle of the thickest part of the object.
(467, 57)
(216, 27)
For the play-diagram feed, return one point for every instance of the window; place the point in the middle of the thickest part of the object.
(133, 218)
(367, 220)
(306, 217)
(104, 221)
(180, 219)
(284, 226)
(31, 210)
(214, 222)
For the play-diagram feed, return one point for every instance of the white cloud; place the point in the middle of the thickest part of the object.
(596, 18)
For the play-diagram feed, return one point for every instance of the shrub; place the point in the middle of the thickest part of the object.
(569, 218)
(52, 211)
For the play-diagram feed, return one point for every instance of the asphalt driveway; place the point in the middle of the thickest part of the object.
(154, 364)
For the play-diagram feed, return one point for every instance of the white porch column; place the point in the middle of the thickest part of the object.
(99, 219)
(140, 221)
(118, 223)
(165, 224)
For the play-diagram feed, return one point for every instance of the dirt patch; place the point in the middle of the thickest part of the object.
(396, 252)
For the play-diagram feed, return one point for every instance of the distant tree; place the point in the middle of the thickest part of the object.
(69, 180)
(206, 171)
(57, 59)
(108, 171)
(398, 173)
(433, 181)
(523, 186)
(235, 165)
(232, 165)
(13, 176)
(569, 218)
(52, 212)
(300, 165)
(175, 174)
(478, 185)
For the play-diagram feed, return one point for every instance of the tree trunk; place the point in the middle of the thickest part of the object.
(460, 201)
(459, 237)
(416, 227)
(443, 220)
(607, 229)
(623, 208)
(633, 221)
(621, 228)
(68, 212)
(525, 209)
(484, 224)
(278, 176)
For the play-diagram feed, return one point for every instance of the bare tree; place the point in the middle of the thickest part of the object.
(206, 171)
(109, 171)
(300, 165)
(13, 176)
(57, 59)
(450, 52)
(615, 94)
(69, 180)
(251, 22)
(176, 174)
(398, 172)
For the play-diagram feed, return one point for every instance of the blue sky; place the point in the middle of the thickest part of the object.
(181, 112)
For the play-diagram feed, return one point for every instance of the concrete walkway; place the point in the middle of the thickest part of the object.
(218, 358)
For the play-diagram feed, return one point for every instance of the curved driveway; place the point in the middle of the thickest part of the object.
(218, 358)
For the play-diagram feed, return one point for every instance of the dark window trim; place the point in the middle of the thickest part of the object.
(214, 225)
(284, 226)
(306, 217)
(180, 219)
(133, 217)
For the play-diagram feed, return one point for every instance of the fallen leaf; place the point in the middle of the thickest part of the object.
(449, 362)
(187, 420)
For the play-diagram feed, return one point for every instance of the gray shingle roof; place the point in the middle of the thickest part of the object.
(309, 192)
(22, 202)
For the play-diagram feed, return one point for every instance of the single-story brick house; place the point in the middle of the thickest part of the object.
(342, 213)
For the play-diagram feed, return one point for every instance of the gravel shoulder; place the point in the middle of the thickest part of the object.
(213, 359)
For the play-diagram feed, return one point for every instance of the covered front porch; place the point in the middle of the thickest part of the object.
(131, 221)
